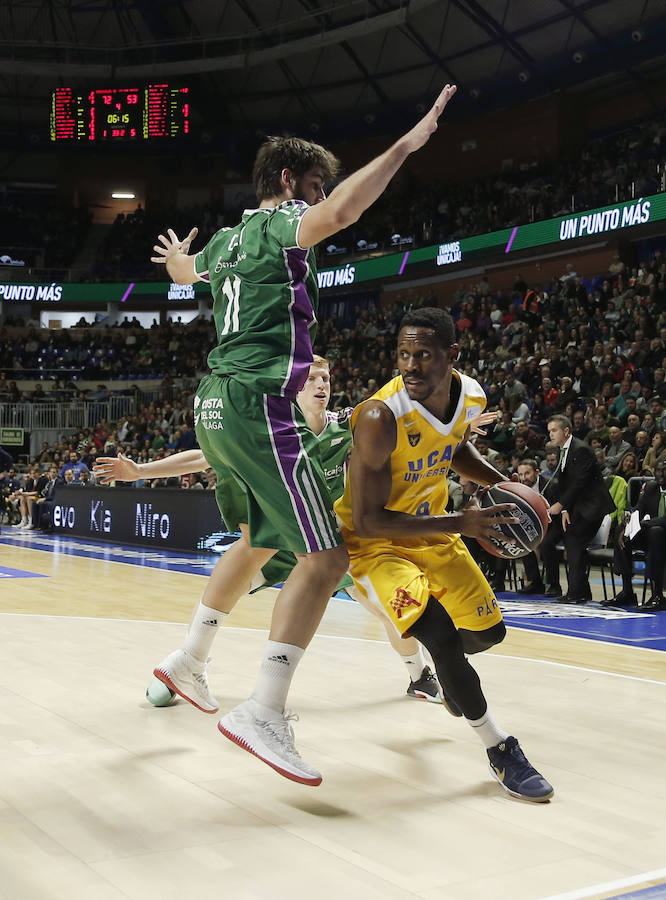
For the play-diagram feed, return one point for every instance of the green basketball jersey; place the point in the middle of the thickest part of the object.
(334, 447)
(265, 299)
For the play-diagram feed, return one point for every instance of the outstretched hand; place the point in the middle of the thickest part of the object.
(172, 245)
(109, 468)
(476, 424)
(421, 132)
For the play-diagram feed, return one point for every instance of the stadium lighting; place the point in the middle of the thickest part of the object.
(123, 195)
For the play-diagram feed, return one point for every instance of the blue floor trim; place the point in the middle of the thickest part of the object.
(591, 621)
(654, 892)
(188, 563)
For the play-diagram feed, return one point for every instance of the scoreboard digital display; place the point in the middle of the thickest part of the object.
(120, 114)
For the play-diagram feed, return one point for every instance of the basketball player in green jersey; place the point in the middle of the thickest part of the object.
(334, 439)
(263, 280)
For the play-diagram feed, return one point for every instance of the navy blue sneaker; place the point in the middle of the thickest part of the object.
(511, 768)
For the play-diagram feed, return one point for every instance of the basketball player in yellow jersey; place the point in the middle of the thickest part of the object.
(405, 552)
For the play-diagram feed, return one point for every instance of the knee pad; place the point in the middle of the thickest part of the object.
(478, 641)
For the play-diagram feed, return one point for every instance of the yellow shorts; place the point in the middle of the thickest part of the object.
(401, 580)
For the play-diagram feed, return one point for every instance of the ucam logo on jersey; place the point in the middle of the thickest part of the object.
(429, 466)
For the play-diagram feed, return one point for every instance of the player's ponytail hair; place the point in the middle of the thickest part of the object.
(278, 153)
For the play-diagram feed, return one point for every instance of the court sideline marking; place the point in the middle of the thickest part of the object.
(339, 637)
(611, 886)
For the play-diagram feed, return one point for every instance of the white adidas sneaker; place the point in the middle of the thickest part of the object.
(272, 741)
(182, 673)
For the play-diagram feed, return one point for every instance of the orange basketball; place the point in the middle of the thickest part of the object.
(531, 510)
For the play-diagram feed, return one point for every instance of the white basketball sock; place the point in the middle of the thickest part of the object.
(200, 637)
(489, 732)
(415, 664)
(277, 670)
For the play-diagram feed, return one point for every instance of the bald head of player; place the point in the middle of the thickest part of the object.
(427, 350)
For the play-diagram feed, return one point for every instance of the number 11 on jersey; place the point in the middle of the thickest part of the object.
(231, 290)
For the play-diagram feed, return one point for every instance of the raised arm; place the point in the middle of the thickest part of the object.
(370, 475)
(107, 469)
(173, 254)
(355, 194)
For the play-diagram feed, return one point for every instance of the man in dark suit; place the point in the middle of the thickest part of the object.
(651, 538)
(578, 503)
(42, 508)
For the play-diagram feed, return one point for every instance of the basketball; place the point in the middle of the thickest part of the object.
(159, 694)
(531, 510)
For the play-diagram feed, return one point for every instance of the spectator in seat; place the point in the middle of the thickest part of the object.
(656, 453)
(652, 539)
(632, 429)
(42, 508)
(600, 454)
(616, 448)
(599, 427)
(657, 410)
(550, 394)
(187, 439)
(73, 464)
(549, 465)
(502, 437)
(513, 387)
(628, 466)
(567, 393)
(28, 494)
(520, 411)
(580, 428)
(86, 478)
(649, 425)
(631, 409)
(528, 473)
(641, 447)
(533, 441)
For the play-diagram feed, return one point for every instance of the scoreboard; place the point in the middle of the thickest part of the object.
(120, 114)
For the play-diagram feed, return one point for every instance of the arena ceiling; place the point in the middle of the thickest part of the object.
(254, 64)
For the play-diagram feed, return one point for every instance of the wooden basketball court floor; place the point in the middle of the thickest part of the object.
(104, 797)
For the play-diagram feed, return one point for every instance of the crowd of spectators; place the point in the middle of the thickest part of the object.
(41, 232)
(594, 350)
(123, 351)
(604, 170)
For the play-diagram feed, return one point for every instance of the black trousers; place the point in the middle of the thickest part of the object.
(653, 541)
(531, 565)
(578, 535)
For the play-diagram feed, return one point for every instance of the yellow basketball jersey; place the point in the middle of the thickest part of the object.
(424, 449)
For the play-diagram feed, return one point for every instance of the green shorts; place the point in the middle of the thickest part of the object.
(267, 446)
